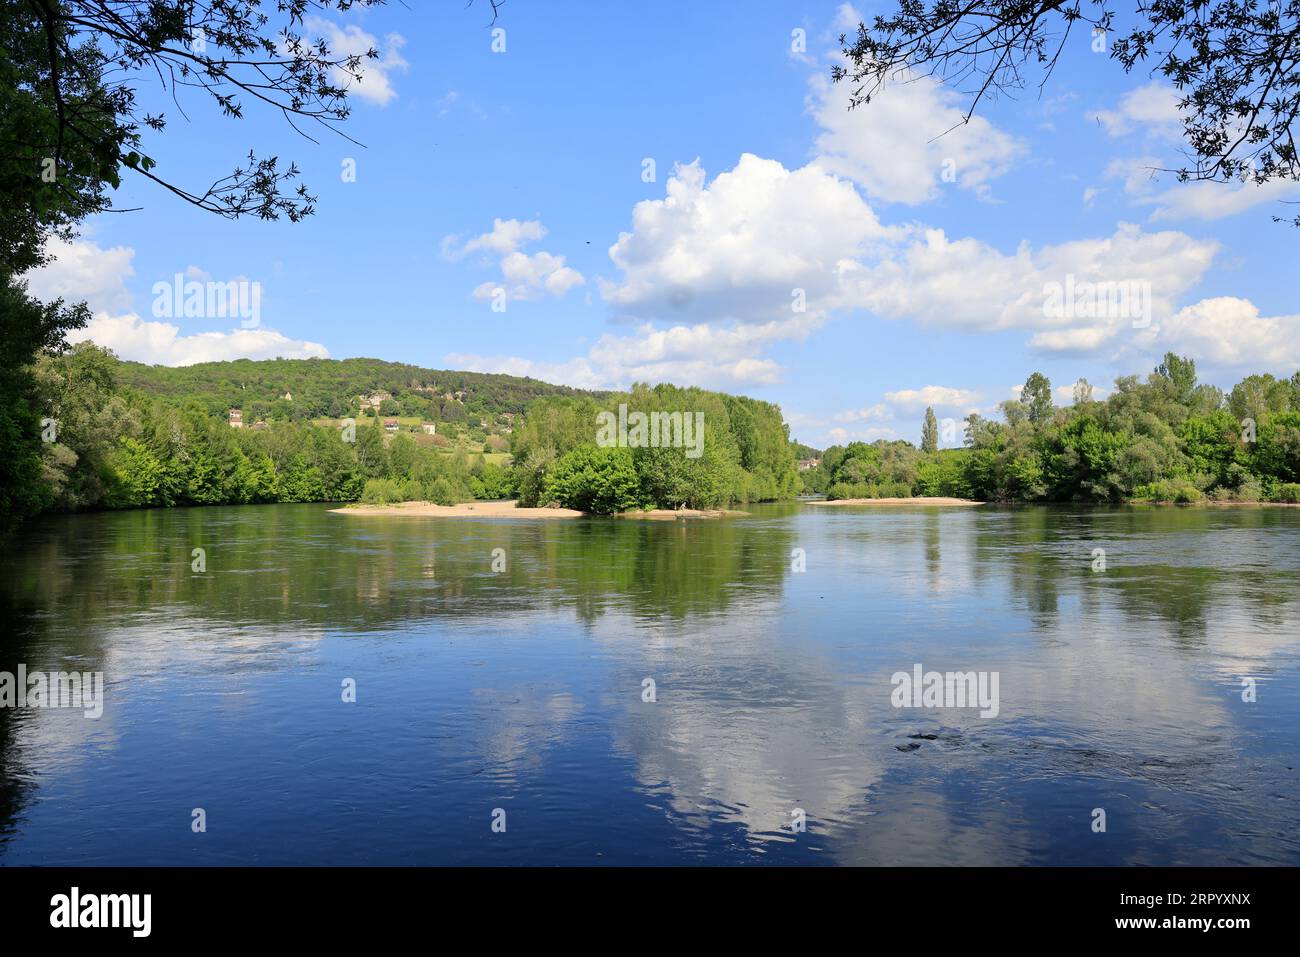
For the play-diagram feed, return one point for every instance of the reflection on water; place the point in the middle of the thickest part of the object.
(522, 689)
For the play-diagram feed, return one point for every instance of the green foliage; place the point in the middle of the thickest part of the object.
(879, 470)
(930, 432)
(744, 455)
(1168, 439)
(29, 467)
(602, 481)
(330, 388)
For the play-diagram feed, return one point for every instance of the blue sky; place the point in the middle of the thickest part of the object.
(923, 259)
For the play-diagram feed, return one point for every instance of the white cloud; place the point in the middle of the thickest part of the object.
(909, 141)
(82, 270)
(933, 395)
(738, 247)
(86, 271)
(1151, 108)
(376, 85)
(1229, 331)
(1139, 173)
(969, 285)
(523, 276)
(1202, 200)
(1207, 200)
(160, 343)
(840, 435)
(872, 413)
(506, 237)
(702, 354)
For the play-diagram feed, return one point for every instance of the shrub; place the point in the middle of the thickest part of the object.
(1287, 492)
(1178, 491)
(381, 492)
(597, 480)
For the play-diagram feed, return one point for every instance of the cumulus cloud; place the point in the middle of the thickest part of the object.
(1208, 201)
(1229, 331)
(1151, 109)
(161, 343)
(83, 270)
(506, 237)
(742, 247)
(938, 396)
(909, 141)
(376, 84)
(872, 413)
(969, 285)
(524, 276)
(747, 246)
(840, 435)
(703, 354)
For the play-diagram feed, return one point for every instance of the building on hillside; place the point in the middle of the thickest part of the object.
(236, 418)
(429, 428)
(806, 464)
(374, 400)
(260, 424)
(390, 425)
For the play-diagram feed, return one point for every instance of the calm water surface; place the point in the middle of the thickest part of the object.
(522, 690)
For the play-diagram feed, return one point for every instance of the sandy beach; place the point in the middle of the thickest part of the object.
(510, 510)
(919, 500)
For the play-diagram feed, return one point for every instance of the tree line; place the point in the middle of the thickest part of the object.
(1169, 438)
(107, 444)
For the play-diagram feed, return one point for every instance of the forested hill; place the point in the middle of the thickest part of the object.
(330, 387)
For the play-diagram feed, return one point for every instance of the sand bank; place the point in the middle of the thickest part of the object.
(511, 510)
(463, 510)
(919, 500)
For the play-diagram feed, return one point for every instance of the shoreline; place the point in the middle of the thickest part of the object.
(918, 500)
(509, 509)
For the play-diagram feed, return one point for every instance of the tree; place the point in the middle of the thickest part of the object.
(930, 432)
(1233, 62)
(1181, 373)
(26, 328)
(233, 52)
(1082, 392)
(602, 481)
(1037, 398)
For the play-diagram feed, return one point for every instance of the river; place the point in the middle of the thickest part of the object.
(637, 692)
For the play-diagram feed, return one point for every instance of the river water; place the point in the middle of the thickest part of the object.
(625, 692)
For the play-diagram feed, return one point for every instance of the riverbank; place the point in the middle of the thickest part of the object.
(919, 500)
(510, 509)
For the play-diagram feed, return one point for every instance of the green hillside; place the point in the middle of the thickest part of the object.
(330, 387)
